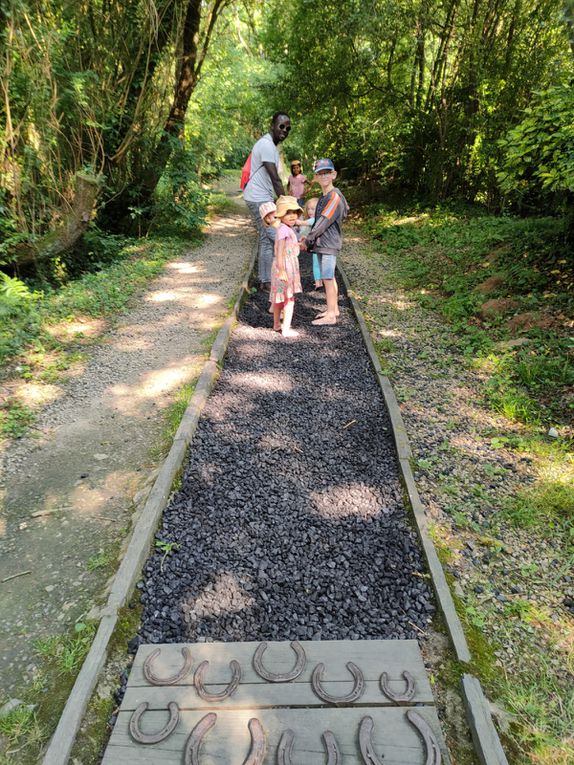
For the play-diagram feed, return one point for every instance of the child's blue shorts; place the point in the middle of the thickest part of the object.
(327, 264)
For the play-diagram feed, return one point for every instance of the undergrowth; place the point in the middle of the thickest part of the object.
(502, 486)
(45, 324)
(506, 285)
(25, 730)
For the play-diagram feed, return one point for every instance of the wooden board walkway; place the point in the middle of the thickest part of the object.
(389, 713)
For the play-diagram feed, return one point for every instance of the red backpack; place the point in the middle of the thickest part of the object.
(245, 173)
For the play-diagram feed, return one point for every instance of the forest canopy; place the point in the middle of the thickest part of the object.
(112, 111)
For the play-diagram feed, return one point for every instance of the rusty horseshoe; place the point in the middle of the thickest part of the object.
(431, 744)
(285, 748)
(152, 738)
(399, 697)
(366, 745)
(154, 679)
(353, 695)
(226, 692)
(258, 743)
(279, 677)
(195, 739)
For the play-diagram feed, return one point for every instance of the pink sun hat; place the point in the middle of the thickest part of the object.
(266, 208)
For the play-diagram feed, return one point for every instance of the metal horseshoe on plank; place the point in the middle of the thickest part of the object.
(155, 679)
(285, 748)
(354, 694)
(409, 692)
(366, 745)
(433, 755)
(152, 738)
(203, 693)
(195, 740)
(280, 677)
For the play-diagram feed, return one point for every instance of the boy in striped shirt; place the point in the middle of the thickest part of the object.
(325, 237)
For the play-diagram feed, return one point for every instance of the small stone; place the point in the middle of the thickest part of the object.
(553, 433)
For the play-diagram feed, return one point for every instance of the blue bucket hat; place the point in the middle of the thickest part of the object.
(323, 164)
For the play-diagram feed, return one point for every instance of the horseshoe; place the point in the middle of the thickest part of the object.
(153, 679)
(195, 739)
(285, 748)
(203, 693)
(353, 695)
(334, 756)
(258, 743)
(433, 755)
(279, 677)
(366, 745)
(399, 697)
(152, 738)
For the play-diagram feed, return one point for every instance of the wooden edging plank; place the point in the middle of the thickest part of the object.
(485, 737)
(62, 741)
(404, 452)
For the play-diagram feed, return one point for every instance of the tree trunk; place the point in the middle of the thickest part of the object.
(75, 222)
(191, 62)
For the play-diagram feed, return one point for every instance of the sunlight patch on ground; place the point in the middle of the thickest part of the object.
(225, 590)
(206, 300)
(86, 500)
(154, 384)
(348, 499)
(34, 394)
(262, 381)
(162, 297)
(186, 268)
(399, 304)
(388, 333)
(80, 327)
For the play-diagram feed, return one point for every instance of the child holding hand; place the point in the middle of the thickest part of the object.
(325, 237)
(305, 229)
(285, 279)
(267, 214)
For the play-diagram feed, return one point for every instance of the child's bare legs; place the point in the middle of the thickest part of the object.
(286, 330)
(276, 308)
(323, 311)
(329, 316)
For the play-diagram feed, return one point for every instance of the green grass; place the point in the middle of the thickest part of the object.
(221, 204)
(444, 254)
(27, 729)
(29, 348)
(102, 559)
(15, 419)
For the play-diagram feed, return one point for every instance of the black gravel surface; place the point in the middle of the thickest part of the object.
(290, 521)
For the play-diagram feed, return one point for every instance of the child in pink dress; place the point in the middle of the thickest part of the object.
(285, 279)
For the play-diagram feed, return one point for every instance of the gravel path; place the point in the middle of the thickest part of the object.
(290, 521)
(69, 492)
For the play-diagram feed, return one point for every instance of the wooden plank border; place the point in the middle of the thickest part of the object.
(485, 737)
(127, 575)
(405, 454)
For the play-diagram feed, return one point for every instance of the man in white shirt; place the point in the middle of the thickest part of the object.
(263, 184)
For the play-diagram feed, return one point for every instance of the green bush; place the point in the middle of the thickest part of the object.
(180, 203)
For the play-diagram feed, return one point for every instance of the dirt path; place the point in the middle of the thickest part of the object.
(70, 492)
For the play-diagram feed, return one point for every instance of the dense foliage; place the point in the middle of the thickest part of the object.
(419, 94)
(88, 88)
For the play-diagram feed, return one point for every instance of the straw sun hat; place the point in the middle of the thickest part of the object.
(284, 204)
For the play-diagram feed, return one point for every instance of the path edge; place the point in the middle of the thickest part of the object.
(62, 741)
(485, 738)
